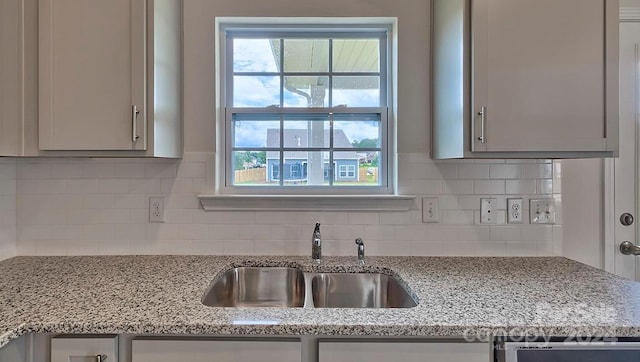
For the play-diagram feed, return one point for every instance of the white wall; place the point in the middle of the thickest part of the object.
(8, 235)
(85, 206)
(413, 59)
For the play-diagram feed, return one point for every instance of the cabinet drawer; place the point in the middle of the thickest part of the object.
(84, 348)
(403, 351)
(202, 350)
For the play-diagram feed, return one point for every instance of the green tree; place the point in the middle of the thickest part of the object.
(366, 143)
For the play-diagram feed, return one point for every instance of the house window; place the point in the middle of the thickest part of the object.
(306, 97)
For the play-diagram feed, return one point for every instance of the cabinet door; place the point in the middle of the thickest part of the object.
(403, 351)
(215, 350)
(84, 349)
(10, 76)
(540, 74)
(92, 74)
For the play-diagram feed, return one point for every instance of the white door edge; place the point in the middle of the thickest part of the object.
(627, 14)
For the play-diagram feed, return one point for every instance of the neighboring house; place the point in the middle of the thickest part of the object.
(346, 164)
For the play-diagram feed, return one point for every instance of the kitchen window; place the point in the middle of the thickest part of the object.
(306, 109)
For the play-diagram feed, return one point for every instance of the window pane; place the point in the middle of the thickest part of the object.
(306, 55)
(306, 168)
(252, 91)
(306, 91)
(250, 169)
(356, 91)
(363, 171)
(253, 133)
(357, 131)
(310, 133)
(356, 55)
(256, 55)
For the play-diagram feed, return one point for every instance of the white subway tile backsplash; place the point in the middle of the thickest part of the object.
(130, 232)
(100, 206)
(506, 171)
(114, 186)
(192, 170)
(35, 170)
(488, 187)
(97, 170)
(145, 186)
(160, 170)
(519, 187)
(81, 186)
(473, 171)
(129, 170)
(458, 187)
(223, 232)
(544, 186)
(364, 218)
(458, 217)
(537, 171)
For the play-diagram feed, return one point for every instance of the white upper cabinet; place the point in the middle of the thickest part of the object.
(10, 77)
(92, 74)
(110, 77)
(525, 78)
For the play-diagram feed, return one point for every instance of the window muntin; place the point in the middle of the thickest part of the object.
(323, 107)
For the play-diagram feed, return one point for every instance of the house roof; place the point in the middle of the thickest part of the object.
(297, 137)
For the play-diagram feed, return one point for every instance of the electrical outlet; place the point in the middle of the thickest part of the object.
(156, 209)
(488, 214)
(514, 211)
(542, 211)
(430, 210)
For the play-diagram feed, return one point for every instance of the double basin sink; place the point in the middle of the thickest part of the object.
(290, 288)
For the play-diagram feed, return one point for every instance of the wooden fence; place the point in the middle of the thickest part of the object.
(251, 175)
(368, 174)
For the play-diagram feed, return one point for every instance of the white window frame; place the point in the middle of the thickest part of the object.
(349, 29)
(351, 171)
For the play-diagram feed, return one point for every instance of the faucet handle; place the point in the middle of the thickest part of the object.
(360, 244)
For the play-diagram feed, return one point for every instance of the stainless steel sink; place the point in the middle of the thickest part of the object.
(290, 288)
(362, 290)
(257, 287)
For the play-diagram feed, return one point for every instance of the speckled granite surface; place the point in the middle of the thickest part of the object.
(457, 297)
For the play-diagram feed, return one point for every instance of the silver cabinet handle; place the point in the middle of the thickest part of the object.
(483, 120)
(134, 123)
(628, 248)
(101, 357)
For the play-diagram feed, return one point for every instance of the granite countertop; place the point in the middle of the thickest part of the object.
(472, 297)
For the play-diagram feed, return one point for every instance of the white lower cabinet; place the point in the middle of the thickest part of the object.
(403, 351)
(84, 349)
(159, 350)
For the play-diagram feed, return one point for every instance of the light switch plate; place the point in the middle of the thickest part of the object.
(488, 211)
(430, 210)
(542, 211)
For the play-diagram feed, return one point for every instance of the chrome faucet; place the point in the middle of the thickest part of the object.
(316, 245)
(360, 244)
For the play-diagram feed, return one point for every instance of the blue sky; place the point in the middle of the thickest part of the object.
(255, 55)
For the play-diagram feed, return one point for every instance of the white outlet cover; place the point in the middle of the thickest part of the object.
(542, 211)
(430, 210)
(514, 211)
(488, 211)
(156, 209)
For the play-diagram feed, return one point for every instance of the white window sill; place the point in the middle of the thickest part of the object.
(306, 203)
